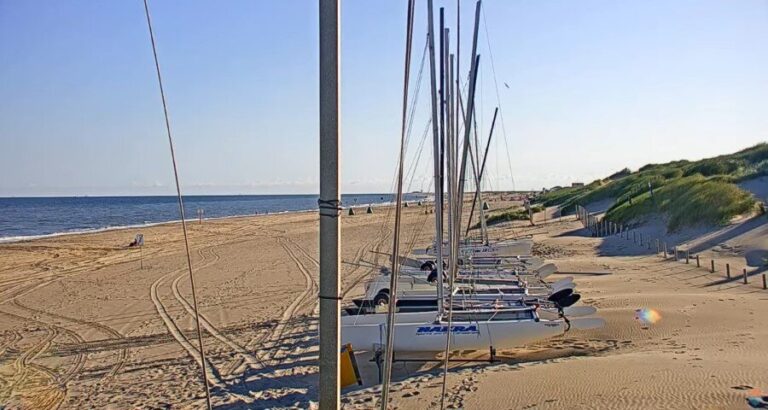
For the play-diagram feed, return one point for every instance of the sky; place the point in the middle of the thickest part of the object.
(585, 88)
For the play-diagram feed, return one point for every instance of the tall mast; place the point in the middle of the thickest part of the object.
(438, 157)
(457, 78)
(479, 187)
(329, 204)
(478, 194)
(470, 106)
(398, 215)
(445, 142)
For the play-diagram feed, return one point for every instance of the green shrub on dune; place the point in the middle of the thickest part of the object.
(511, 214)
(687, 201)
(561, 195)
(686, 192)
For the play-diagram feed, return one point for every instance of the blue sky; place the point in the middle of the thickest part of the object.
(591, 87)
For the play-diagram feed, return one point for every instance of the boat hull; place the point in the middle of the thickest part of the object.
(430, 337)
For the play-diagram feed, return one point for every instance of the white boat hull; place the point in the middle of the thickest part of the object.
(430, 337)
(427, 317)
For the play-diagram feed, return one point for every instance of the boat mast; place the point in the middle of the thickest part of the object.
(446, 140)
(389, 354)
(470, 108)
(478, 194)
(437, 157)
(329, 204)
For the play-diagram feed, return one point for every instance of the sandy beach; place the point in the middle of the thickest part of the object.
(84, 325)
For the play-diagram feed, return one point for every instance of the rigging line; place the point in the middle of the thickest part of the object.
(388, 214)
(498, 100)
(460, 194)
(415, 164)
(181, 207)
(389, 352)
(417, 232)
(415, 99)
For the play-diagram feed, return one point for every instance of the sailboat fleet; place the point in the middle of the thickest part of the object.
(462, 293)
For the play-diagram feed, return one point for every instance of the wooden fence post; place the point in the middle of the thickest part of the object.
(745, 276)
(657, 247)
(665, 251)
(765, 284)
(687, 255)
(728, 270)
(698, 262)
(712, 268)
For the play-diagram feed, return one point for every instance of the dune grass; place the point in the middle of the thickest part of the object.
(509, 214)
(687, 201)
(686, 192)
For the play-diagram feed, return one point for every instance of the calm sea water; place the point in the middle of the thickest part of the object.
(21, 218)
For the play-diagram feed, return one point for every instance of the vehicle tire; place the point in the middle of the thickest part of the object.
(432, 277)
(382, 298)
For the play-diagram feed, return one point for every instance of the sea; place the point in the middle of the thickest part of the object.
(29, 218)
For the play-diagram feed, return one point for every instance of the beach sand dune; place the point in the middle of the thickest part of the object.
(89, 323)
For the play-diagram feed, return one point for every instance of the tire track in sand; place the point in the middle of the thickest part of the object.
(122, 355)
(212, 375)
(244, 355)
(270, 353)
(44, 391)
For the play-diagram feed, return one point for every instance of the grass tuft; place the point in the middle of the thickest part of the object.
(686, 192)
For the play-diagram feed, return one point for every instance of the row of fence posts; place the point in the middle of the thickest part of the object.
(600, 227)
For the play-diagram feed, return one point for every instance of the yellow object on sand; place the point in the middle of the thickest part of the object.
(349, 373)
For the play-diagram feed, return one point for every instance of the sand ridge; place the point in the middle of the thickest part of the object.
(83, 326)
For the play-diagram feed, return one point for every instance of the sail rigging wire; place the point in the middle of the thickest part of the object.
(416, 160)
(383, 231)
(462, 167)
(498, 100)
(389, 348)
(181, 206)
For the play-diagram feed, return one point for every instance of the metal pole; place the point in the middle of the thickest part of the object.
(437, 158)
(470, 107)
(203, 361)
(390, 346)
(446, 142)
(329, 204)
(666, 255)
(478, 196)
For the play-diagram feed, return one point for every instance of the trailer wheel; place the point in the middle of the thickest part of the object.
(382, 298)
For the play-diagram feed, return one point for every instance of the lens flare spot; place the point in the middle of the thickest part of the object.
(647, 316)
